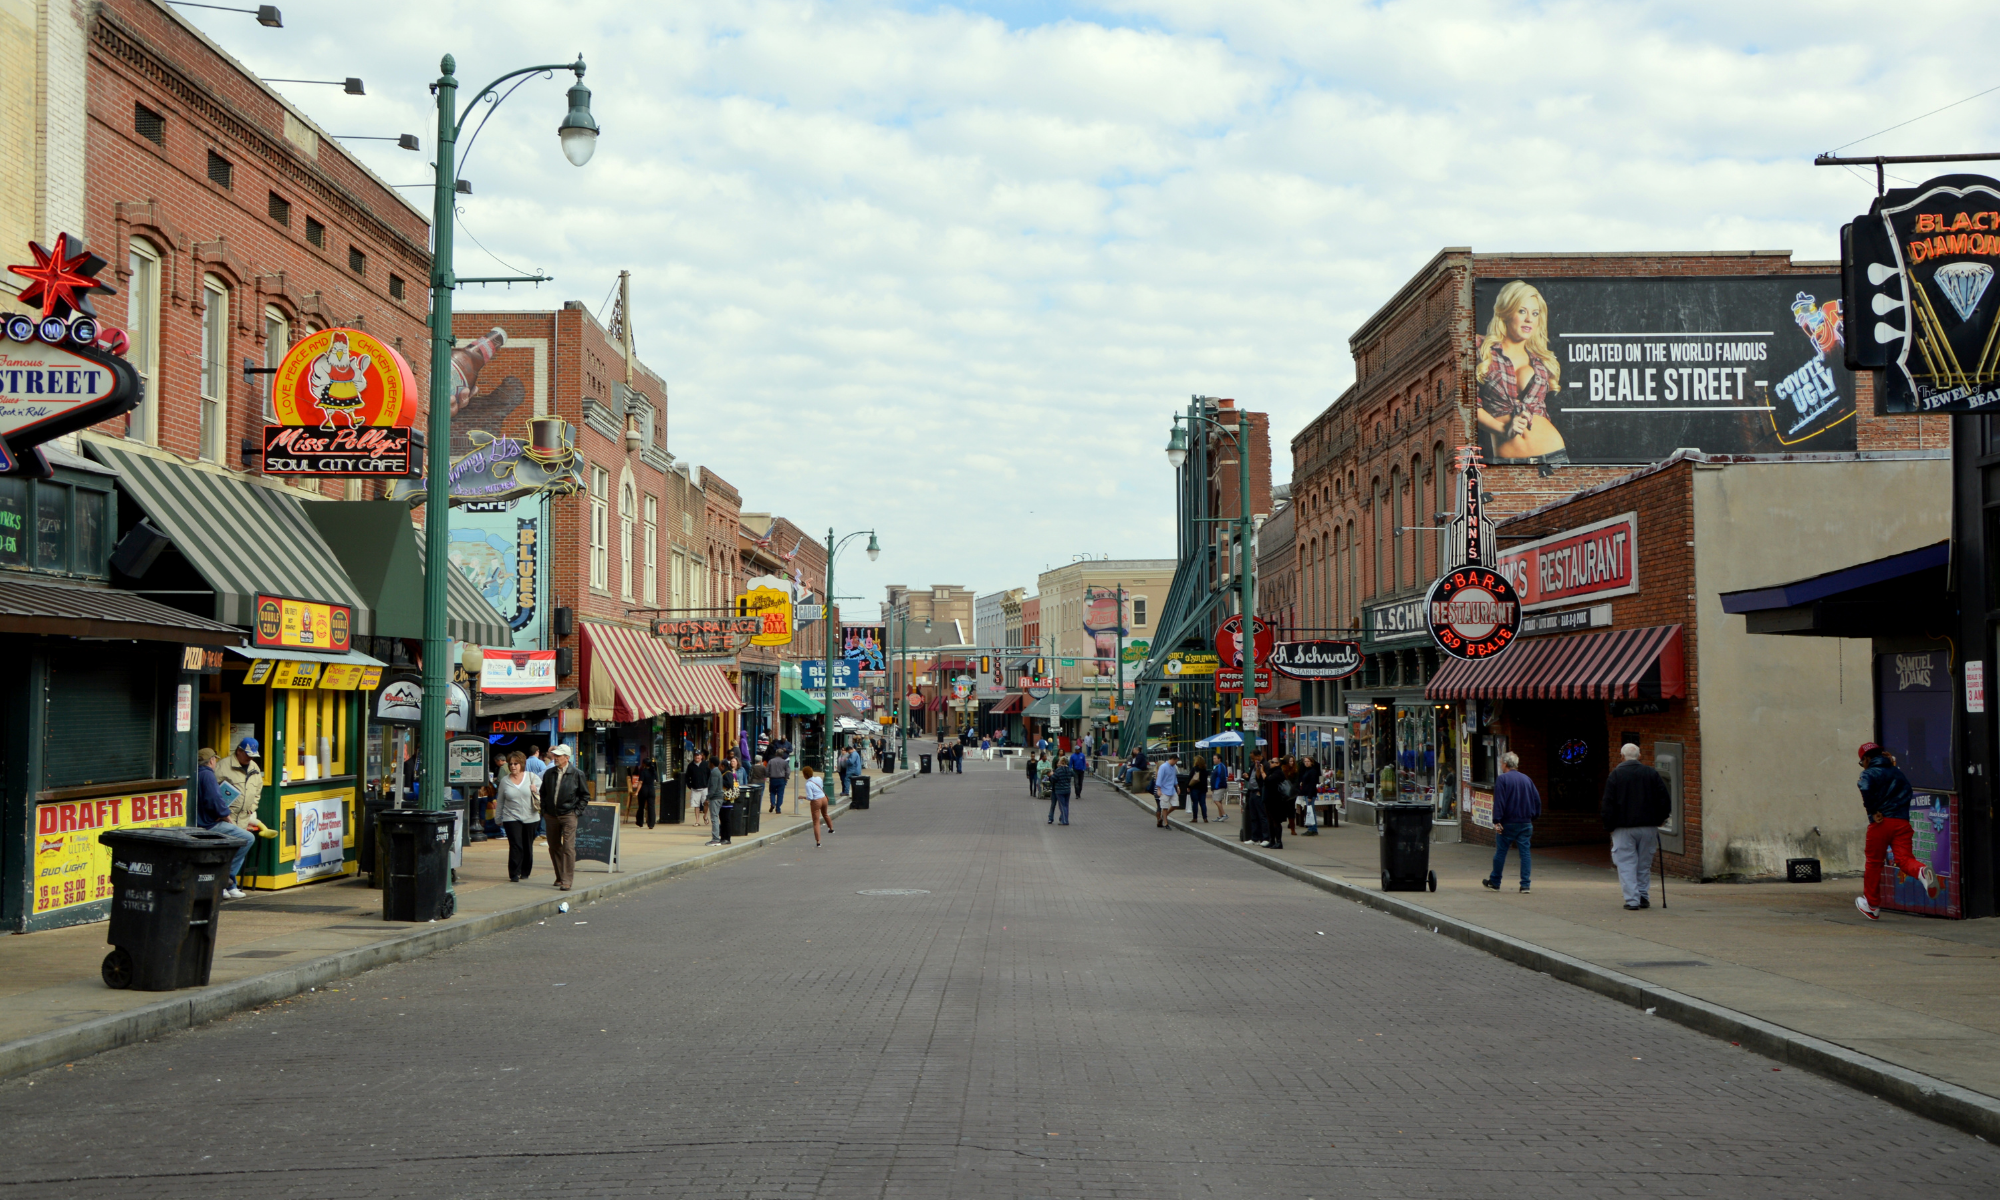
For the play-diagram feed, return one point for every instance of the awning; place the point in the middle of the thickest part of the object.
(694, 687)
(1902, 595)
(621, 681)
(55, 608)
(1055, 708)
(844, 708)
(354, 657)
(241, 538)
(383, 555)
(509, 706)
(1620, 664)
(1011, 702)
(935, 703)
(795, 703)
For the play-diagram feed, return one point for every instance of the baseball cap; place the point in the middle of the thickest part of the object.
(1867, 748)
(248, 746)
(565, 751)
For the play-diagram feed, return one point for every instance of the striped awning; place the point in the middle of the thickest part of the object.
(620, 680)
(242, 538)
(1619, 664)
(1011, 702)
(694, 687)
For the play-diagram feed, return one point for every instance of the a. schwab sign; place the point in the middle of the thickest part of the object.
(1403, 618)
(1591, 562)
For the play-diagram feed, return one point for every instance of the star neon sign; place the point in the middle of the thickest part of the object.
(61, 280)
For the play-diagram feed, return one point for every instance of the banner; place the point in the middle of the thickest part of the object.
(1592, 561)
(322, 825)
(285, 623)
(517, 672)
(71, 866)
(1623, 370)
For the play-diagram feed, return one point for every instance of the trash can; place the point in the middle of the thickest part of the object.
(732, 821)
(166, 889)
(924, 764)
(414, 848)
(373, 802)
(673, 802)
(752, 807)
(860, 790)
(1405, 830)
(461, 805)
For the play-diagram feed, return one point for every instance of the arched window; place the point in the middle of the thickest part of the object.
(142, 328)
(214, 369)
(1440, 468)
(1396, 523)
(627, 502)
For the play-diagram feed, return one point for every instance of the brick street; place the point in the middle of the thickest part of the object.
(1103, 1010)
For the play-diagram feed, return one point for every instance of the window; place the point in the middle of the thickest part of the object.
(149, 124)
(357, 262)
(214, 370)
(277, 340)
(600, 551)
(51, 526)
(652, 575)
(220, 172)
(395, 287)
(687, 523)
(679, 582)
(281, 209)
(625, 563)
(316, 233)
(1138, 611)
(142, 329)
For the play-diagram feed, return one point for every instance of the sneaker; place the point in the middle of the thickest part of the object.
(1631, 908)
(712, 842)
(1928, 878)
(1489, 885)
(1524, 889)
(1867, 910)
(234, 893)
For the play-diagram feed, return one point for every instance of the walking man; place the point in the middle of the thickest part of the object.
(1060, 780)
(779, 768)
(1166, 789)
(1635, 802)
(563, 798)
(1079, 765)
(646, 813)
(1516, 804)
(1885, 794)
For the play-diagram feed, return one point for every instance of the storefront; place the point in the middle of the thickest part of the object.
(1403, 740)
(640, 700)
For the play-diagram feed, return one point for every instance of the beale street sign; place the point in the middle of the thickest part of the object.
(54, 377)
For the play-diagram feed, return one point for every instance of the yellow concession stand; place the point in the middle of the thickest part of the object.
(306, 712)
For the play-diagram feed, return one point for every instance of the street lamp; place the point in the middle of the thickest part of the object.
(437, 484)
(1177, 452)
(826, 617)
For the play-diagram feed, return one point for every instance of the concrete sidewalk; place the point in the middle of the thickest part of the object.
(54, 1006)
(1908, 992)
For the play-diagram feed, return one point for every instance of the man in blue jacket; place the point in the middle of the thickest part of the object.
(1885, 795)
(1516, 804)
(1079, 765)
(211, 812)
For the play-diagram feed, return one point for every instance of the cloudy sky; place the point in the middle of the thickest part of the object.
(947, 270)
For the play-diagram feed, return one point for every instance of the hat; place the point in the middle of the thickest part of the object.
(248, 746)
(565, 751)
(1868, 748)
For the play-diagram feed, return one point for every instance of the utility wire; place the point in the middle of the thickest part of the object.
(482, 245)
(1913, 120)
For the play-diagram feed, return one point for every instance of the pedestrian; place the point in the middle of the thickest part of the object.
(986, 748)
(694, 782)
(1060, 780)
(1885, 796)
(778, 771)
(537, 767)
(1309, 777)
(1032, 766)
(1635, 802)
(1516, 804)
(518, 812)
(1253, 800)
(1079, 766)
(241, 780)
(760, 777)
(1166, 794)
(564, 795)
(647, 812)
(1295, 777)
(1218, 783)
(958, 758)
(1141, 771)
(721, 785)
(212, 813)
(1198, 790)
(817, 810)
(1278, 791)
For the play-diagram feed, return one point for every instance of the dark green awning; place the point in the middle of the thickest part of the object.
(793, 702)
(384, 556)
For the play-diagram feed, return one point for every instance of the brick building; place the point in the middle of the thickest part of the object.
(1278, 603)
(772, 546)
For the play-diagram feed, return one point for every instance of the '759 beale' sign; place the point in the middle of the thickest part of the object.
(360, 452)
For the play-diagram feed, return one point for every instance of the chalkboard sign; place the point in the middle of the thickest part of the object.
(597, 834)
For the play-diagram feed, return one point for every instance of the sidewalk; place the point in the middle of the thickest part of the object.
(54, 1006)
(1911, 992)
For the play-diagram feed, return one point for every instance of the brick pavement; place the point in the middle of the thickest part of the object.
(1097, 1011)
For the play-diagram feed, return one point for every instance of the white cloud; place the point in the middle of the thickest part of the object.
(948, 272)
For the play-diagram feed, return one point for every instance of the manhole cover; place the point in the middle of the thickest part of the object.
(894, 892)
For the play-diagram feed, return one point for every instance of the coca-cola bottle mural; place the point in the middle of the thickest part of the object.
(466, 362)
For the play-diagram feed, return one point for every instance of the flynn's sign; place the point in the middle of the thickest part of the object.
(1592, 562)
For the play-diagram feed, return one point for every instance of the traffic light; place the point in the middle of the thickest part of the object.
(985, 664)
(1041, 667)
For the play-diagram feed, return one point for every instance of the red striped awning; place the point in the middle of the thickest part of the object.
(694, 688)
(1011, 702)
(620, 680)
(935, 703)
(1619, 664)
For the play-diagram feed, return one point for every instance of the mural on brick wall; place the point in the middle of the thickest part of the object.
(1629, 370)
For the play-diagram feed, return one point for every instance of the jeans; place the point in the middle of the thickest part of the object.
(1888, 838)
(244, 839)
(1060, 799)
(562, 847)
(1253, 820)
(715, 819)
(777, 794)
(520, 848)
(1198, 804)
(1076, 785)
(1518, 834)
(958, 763)
(1632, 850)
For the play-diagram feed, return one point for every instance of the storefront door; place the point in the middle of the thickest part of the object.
(1578, 759)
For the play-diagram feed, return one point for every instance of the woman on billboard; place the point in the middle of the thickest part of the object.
(1518, 379)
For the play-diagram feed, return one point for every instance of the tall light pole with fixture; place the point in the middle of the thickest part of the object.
(826, 619)
(1177, 451)
(578, 132)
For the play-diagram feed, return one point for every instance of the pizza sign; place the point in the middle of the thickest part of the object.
(1473, 612)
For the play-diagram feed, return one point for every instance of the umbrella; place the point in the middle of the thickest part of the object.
(1228, 737)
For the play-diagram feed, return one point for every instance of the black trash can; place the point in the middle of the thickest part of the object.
(166, 892)
(860, 792)
(1405, 830)
(673, 802)
(752, 807)
(924, 764)
(414, 848)
(732, 821)
(372, 805)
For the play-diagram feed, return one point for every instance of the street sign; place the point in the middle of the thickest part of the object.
(1249, 713)
(1229, 641)
(1230, 679)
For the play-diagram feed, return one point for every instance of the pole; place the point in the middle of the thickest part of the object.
(1247, 577)
(437, 489)
(826, 688)
(903, 687)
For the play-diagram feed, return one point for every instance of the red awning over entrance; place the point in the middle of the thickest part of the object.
(1011, 702)
(1620, 664)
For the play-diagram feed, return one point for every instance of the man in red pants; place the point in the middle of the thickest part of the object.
(1885, 793)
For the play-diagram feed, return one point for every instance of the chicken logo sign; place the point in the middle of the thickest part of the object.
(343, 379)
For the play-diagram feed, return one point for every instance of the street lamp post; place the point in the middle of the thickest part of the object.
(579, 139)
(826, 619)
(1177, 444)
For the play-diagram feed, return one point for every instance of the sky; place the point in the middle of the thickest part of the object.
(947, 271)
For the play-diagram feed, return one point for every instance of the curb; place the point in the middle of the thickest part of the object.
(1927, 1096)
(203, 1005)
